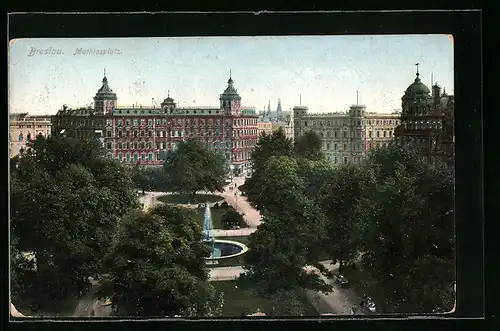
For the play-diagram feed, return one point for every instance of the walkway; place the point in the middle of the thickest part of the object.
(89, 306)
(250, 215)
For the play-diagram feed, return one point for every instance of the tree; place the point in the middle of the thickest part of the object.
(284, 244)
(140, 178)
(231, 218)
(281, 178)
(314, 174)
(157, 266)
(191, 168)
(338, 198)
(275, 144)
(64, 209)
(309, 146)
(407, 220)
(287, 303)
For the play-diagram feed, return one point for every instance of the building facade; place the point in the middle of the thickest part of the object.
(143, 135)
(427, 121)
(265, 127)
(347, 136)
(278, 119)
(24, 127)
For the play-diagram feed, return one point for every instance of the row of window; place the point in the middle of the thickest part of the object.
(348, 122)
(385, 134)
(357, 147)
(31, 126)
(177, 133)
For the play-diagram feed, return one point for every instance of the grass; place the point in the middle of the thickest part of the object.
(184, 199)
(65, 308)
(216, 216)
(241, 302)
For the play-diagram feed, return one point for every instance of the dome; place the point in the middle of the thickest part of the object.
(417, 87)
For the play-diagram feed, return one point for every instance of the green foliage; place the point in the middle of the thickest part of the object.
(287, 303)
(314, 174)
(338, 198)
(231, 218)
(65, 202)
(150, 178)
(157, 266)
(271, 192)
(407, 220)
(284, 243)
(308, 146)
(275, 144)
(192, 167)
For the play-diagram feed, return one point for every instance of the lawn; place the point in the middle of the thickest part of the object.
(239, 302)
(216, 216)
(184, 199)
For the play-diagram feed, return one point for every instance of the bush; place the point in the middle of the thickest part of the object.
(231, 219)
(224, 205)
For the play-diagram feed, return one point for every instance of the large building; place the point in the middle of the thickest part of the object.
(278, 119)
(347, 136)
(24, 127)
(143, 135)
(427, 120)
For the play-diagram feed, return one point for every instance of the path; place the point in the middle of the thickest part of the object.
(225, 273)
(250, 215)
(88, 305)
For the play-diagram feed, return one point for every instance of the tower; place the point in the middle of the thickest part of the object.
(168, 105)
(278, 109)
(105, 98)
(230, 100)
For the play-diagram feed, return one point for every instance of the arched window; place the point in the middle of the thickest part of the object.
(28, 136)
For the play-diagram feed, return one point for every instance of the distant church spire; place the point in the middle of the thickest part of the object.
(417, 64)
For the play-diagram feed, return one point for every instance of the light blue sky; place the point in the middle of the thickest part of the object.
(325, 70)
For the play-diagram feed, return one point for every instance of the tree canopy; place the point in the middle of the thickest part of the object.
(157, 267)
(192, 167)
(309, 146)
(65, 201)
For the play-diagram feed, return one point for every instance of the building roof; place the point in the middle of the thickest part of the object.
(105, 92)
(417, 88)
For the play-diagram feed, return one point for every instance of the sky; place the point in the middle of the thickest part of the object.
(321, 72)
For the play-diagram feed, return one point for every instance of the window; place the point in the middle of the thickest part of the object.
(128, 145)
(158, 121)
(136, 145)
(142, 133)
(151, 157)
(369, 134)
(150, 133)
(120, 145)
(384, 134)
(120, 122)
(108, 123)
(345, 159)
(120, 134)
(135, 133)
(335, 134)
(150, 122)
(127, 156)
(327, 146)
(344, 147)
(108, 146)
(391, 134)
(143, 121)
(127, 122)
(120, 156)
(144, 157)
(378, 134)
(135, 124)
(141, 145)
(136, 157)
(345, 134)
(335, 146)
(335, 160)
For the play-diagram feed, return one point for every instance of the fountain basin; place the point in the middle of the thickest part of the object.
(228, 249)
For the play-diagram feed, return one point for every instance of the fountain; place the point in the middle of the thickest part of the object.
(221, 249)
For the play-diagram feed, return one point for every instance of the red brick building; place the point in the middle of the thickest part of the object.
(144, 135)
